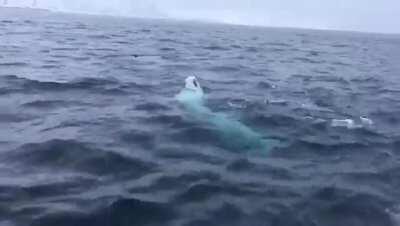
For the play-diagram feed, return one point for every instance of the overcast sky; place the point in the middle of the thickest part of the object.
(359, 15)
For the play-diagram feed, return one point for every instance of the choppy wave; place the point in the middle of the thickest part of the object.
(90, 132)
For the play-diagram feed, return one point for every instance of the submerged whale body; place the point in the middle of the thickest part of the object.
(233, 134)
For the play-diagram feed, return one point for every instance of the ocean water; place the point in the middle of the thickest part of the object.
(91, 132)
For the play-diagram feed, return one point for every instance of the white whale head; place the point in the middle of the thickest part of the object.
(191, 83)
(192, 93)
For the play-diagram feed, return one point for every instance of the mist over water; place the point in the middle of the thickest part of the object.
(374, 16)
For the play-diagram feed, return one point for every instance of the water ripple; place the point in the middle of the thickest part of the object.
(91, 134)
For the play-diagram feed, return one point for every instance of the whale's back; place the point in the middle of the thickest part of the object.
(234, 134)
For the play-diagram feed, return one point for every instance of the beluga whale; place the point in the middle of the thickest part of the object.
(233, 134)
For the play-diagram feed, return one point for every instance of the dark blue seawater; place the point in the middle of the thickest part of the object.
(91, 134)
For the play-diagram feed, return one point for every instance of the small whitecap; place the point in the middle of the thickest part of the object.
(348, 123)
(366, 121)
(308, 118)
(240, 104)
(319, 121)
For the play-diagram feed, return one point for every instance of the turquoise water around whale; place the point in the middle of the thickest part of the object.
(91, 132)
(233, 134)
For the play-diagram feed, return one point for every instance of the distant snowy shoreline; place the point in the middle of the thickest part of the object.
(14, 9)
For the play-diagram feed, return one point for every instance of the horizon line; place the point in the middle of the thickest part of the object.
(204, 21)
